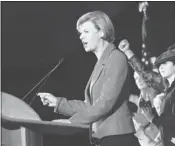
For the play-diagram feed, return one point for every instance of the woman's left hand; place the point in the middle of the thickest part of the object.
(148, 113)
(62, 121)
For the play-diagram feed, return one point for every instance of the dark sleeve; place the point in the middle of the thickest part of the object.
(166, 119)
(151, 78)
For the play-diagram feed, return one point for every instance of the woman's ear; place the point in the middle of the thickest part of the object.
(101, 33)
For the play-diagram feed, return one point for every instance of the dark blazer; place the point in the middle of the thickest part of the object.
(106, 97)
(167, 118)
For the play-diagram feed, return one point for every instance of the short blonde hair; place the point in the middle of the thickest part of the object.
(101, 22)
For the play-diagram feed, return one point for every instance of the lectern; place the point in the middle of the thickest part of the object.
(22, 126)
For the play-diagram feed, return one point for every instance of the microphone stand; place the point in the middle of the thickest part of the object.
(43, 80)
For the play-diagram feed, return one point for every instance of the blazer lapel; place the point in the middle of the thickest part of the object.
(87, 91)
(100, 65)
(98, 69)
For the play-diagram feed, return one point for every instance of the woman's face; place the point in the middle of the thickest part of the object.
(167, 69)
(90, 36)
(139, 81)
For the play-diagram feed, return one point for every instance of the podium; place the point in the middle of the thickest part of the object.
(22, 126)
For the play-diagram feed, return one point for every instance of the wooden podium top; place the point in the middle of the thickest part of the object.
(13, 107)
(17, 112)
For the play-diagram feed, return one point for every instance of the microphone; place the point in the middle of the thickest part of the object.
(43, 80)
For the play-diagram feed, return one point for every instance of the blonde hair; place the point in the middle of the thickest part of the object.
(101, 22)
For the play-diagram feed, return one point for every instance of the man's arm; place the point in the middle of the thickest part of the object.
(166, 119)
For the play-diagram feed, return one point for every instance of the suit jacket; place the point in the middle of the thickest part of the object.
(167, 118)
(105, 104)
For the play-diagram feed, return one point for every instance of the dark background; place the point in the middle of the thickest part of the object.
(35, 35)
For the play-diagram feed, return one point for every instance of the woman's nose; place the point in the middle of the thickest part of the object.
(161, 66)
(81, 36)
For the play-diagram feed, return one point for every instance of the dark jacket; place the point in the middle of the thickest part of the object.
(167, 118)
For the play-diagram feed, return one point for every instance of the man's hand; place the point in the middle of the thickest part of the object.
(158, 101)
(48, 99)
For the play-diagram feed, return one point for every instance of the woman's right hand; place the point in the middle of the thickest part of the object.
(173, 140)
(124, 45)
(48, 99)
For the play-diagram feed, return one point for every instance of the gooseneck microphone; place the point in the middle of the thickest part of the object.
(43, 80)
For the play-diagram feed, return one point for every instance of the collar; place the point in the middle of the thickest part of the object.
(110, 47)
(171, 80)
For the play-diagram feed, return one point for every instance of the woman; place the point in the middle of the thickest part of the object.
(147, 134)
(107, 91)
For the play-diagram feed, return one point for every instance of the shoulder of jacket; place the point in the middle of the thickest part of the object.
(118, 53)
